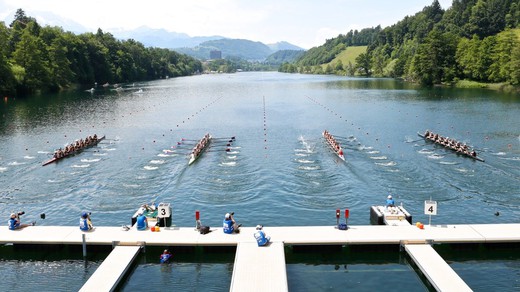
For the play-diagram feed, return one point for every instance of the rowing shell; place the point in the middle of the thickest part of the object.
(338, 153)
(194, 156)
(54, 159)
(447, 147)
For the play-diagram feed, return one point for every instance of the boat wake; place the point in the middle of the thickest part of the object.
(108, 149)
(91, 160)
(166, 155)
(100, 154)
(391, 163)
(435, 156)
(305, 161)
(148, 167)
(425, 151)
(157, 161)
(2, 169)
(28, 157)
(448, 162)
(233, 152)
(510, 158)
(499, 154)
(43, 152)
(378, 157)
(80, 165)
(373, 152)
(16, 163)
(316, 167)
(232, 163)
(232, 157)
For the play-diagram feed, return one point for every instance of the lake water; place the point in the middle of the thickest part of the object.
(277, 172)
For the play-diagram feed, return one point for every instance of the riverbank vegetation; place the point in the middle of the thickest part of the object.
(473, 40)
(35, 58)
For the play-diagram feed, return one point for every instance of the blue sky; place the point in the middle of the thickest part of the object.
(301, 22)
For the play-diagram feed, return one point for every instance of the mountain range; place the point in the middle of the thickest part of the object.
(198, 46)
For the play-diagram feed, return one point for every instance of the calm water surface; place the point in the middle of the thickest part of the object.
(278, 171)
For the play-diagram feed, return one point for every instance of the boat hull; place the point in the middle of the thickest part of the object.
(341, 156)
(458, 153)
(54, 159)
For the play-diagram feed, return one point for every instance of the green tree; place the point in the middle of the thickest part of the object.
(7, 81)
(363, 64)
(30, 55)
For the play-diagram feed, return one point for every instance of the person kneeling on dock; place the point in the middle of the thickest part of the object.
(15, 223)
(390, 201)
(85, 224)
(230, 225)
(142, 222)
(260, 236)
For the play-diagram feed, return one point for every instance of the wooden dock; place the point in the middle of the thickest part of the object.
(274, 257)
(112, 270)
(435, 269)
(259, 268)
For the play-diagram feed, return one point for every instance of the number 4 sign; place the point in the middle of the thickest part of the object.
(430, 207)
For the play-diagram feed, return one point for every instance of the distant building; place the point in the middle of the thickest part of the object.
(215, 54)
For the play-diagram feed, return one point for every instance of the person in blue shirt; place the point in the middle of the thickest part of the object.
(229, 224)
(165, 257)
(142, 222)
(390, 201)
(14, 222)
(260, 236)
(85, 224)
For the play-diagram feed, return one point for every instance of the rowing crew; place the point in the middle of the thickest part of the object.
(450, 143)
(200, 145)
(333, 143)
(75, 146)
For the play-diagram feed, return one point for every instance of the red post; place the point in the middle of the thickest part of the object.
(346, 213)
(197, 215)
(337, 217)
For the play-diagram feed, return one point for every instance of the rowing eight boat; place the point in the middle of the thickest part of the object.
(452, 149)
(54, 159)
(199, 148)
(330, 142)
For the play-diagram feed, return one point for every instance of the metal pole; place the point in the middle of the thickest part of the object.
(84, 245)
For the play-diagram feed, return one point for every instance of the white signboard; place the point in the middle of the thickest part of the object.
(430, 207)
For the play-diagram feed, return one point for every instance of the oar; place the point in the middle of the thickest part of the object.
(342, 137)
(226, 150)
(222, 138)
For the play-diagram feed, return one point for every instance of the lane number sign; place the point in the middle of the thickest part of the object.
(430, 207)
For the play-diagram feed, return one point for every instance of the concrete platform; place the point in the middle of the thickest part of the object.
(290, 235)
(112, 270)
(435, 269)
(259, 268)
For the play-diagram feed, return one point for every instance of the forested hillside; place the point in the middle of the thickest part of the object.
(476, 40)
(34, 58)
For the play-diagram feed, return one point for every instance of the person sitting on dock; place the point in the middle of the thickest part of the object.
(230, 224)
(142, 222)
(15, 223)
(85, 224)
(390, 201)
(165, 257)
(260, 236)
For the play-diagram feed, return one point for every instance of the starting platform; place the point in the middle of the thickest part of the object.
(391, 216)
(435, 269)
(259, 268)
(111, 271)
